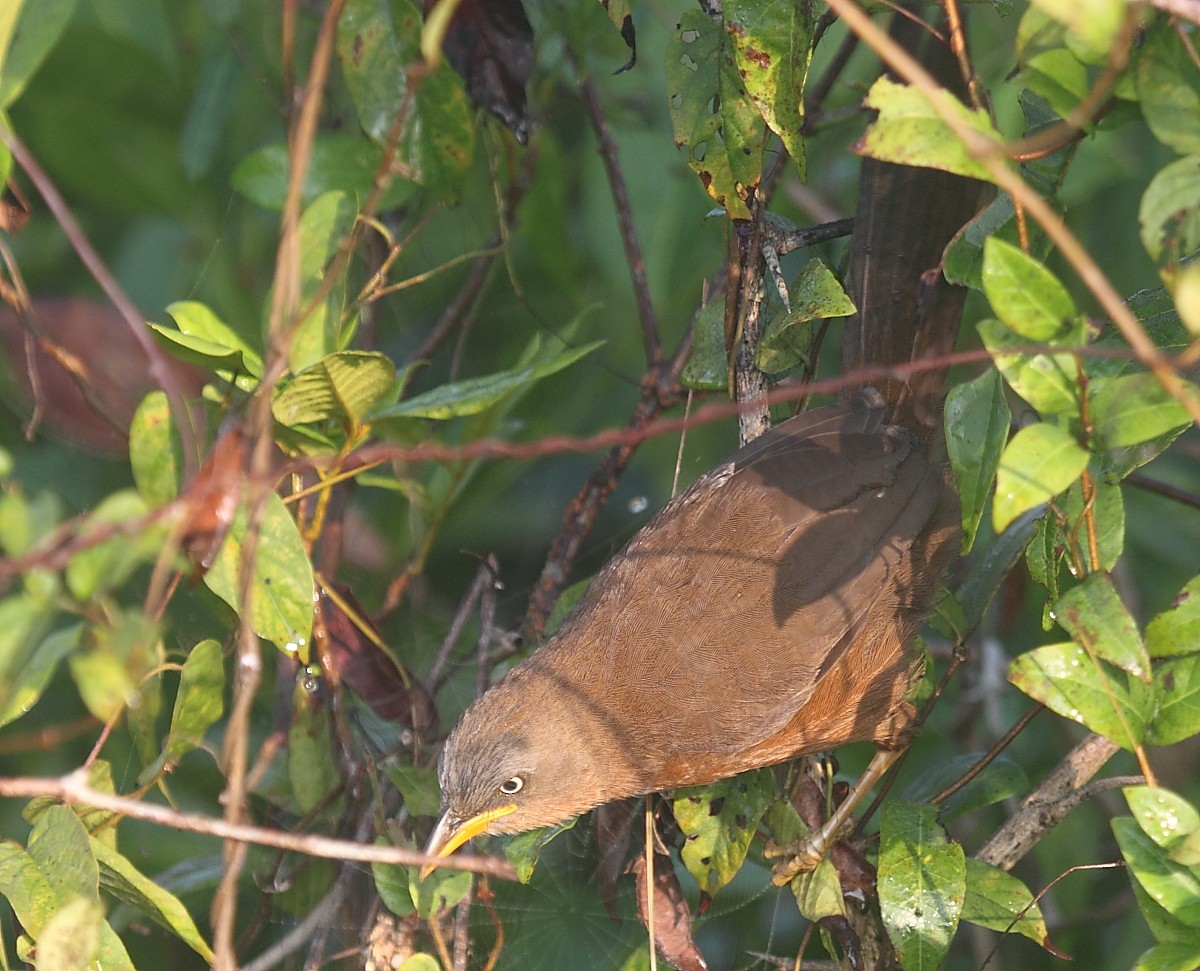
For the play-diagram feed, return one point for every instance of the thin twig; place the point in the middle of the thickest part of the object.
(158, 363)
(1060, 792)
(616, 180)
(74, 788)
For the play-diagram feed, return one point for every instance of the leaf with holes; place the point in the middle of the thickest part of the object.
(711, 114)
(773, 42)
(718, 822)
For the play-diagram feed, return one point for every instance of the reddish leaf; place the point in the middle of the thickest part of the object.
(672, 918)
(490, 43)
(90, 372)
(846, 939)
(354, 650)
(14, 210)
(211, 499)
(854, 872)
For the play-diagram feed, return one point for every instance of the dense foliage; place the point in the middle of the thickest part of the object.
(310, 339)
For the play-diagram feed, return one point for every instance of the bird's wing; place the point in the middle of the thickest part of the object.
(744, 589)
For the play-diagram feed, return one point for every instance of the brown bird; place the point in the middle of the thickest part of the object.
(763, 614)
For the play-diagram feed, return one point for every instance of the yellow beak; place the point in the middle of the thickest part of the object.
(449, 833)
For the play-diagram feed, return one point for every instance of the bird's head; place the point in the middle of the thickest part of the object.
(522, 758)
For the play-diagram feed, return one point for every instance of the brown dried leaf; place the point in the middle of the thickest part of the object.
(354, 649)
(88, 370)
(672, 918)
(211, 499)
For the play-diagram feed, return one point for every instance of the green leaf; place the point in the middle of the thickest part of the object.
(101, 568)
(922, 883)
(1165, 816)
(419, 787)
(718, 822)
(26, 889)
(1048, 382)
(28, 32)
(59, 846)
(1066, 680)
(1001, 779)
(1174, 886)
(125, 882)
(977, 417)
(155, 450)
(1170, 957)
(525, 849)
(420, 962)
(1000, 902)
(96, 821)
(373, 63)
(1176, 630)
(311, 770)
(1134, 408)
(337, 163)
(1059, 77)
(376, 42)
(23, 624)
(987, 574)
(773, 42)
(474, 395)
(1177, 684)
(281, 606)
(204, 340)
(24, 689)
(1108, 512)
(815, 295)
(25, 520)
(70, 939)
(392, 883)
(1025, 295)
(711, 113)
(1165, 926)
(1093, 23)
(440, 890)
(117, 656)
(1187, 851)
(1039, 462)
(818, 892)
(708, 367)
(1092, 613)
(323, 226)
(198, 322)
(1170, 210)
(909, 131)
(342, 387)
(199, 702)
(1168, 89)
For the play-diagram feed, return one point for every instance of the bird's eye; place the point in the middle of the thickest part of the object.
(512, 786)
